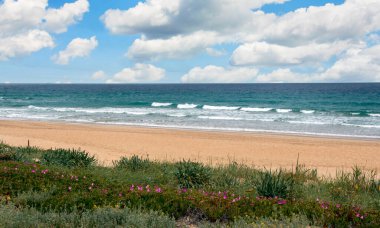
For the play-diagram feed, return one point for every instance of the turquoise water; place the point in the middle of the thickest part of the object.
(344, 110)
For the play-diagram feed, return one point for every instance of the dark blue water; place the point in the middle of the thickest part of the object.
(351, 110)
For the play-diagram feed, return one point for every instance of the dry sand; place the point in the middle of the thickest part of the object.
(110, 143)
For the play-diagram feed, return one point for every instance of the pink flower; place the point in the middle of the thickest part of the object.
(338, 206)
(69, 188)
(132, 188)
(140, 188)
(33, 171)
(158, 190)
(281, 202)
(120, 194)
(224, 197)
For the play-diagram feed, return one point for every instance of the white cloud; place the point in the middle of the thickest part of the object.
(160, 18)
(167, 27)
(140, 73)
(174, 47)
(216, 74)
(25, 43)
(25, 24)
(264, 54)
(358, 65)
(98, 75)
(78, 47)
(57, 20)
(351, 20)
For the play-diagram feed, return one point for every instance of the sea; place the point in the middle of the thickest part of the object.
(334, 110)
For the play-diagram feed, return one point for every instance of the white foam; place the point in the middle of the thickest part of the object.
(177, 115)
(210, 107)
(186, 106)
(282, 110)
(361, 125)
(158, 104)
(308, 111)
(219, 118)
(307, 122)
(37, 108)
(374, 115)
(256, 109)
(355, 113)
(137, 113)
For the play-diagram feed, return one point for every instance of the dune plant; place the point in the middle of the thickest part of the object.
(133, 163)
(68, 158)
(192, 174)
(274, 184)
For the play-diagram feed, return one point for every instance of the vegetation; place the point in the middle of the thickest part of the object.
(66, 188)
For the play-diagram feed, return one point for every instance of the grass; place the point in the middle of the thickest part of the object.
(67, 188)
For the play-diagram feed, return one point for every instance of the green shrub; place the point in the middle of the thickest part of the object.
(10, 216)
(272, 184)
(133, 163)
(192, 174)
(68, 158)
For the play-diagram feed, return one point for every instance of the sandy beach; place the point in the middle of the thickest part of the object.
(109, 143)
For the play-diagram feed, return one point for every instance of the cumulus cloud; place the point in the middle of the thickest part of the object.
(98, 75)
(172, 48)
(139, 73)
(25, 25)
(78, 47)
(57, 20)
(24, 43)
(316, 35)
(264, 54)
(217, 74)
(328, 23)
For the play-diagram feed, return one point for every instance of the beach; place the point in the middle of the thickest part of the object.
(109, 143)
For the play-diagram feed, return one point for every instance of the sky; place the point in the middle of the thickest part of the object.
(189, 41)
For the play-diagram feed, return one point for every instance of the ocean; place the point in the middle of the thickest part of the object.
(341, 110)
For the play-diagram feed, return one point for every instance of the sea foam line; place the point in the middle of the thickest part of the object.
(256, 109)
(211, 107)
(282, 110)
(158, 104)
(186, 106)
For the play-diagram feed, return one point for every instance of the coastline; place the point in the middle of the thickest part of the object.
(269, 150)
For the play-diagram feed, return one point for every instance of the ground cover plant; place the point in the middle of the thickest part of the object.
(67, 188)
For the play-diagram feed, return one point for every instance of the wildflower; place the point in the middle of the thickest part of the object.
(338, 206)
(120, 194)
(224, 197)
(281, 202)
(92, 184)
(132, 188)
(90, 188)
(33, 171)
(69, 188)
(140, 188)
(84, 177)
(147, 188)
(158, 190)
(184, 190)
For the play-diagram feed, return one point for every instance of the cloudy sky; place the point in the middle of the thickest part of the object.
(189, 41)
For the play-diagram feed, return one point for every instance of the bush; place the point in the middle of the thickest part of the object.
(10, 216)
(133, 163)
(272, 184)
(68, 158)
(192, 175)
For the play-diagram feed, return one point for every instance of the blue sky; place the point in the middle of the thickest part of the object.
(173, 41)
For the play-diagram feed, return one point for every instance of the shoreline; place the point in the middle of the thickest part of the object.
(271, 150)
(211, 130)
